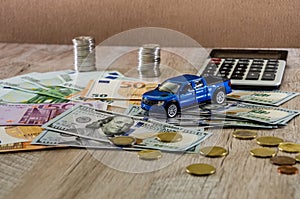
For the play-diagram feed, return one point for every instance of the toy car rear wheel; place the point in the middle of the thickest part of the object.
(172, 110)
(219, 96)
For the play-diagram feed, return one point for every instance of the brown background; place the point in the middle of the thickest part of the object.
(213, 23)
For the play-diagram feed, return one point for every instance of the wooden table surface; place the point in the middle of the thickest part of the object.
(80, 173)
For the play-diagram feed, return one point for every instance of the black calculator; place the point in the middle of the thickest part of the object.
(247, 69)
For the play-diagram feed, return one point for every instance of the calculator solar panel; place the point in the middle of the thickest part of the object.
(257, 69)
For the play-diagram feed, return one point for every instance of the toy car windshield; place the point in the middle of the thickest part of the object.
(169, 87)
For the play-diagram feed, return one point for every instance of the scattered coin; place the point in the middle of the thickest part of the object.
(213, 151)
(262, 152)
(269, 141)
(149, 154)
(200, 169)
(297, 157)
(282, 160)
(289, 147)
(288, 170)
(244, 134)
(169, 137)
(123, 140)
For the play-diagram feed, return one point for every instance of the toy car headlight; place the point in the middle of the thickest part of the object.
(160, 103)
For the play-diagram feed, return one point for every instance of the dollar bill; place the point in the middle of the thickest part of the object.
(86, 122)
(196, 120)
(26, 134)
(274, 98)
(37, 114)
(54, 138)
(119, 89)
(262, 114)
(8, 95)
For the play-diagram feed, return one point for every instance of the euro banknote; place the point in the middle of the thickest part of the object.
(37, 114)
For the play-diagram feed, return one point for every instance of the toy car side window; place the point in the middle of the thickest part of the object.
(198, 84)
(187, 88)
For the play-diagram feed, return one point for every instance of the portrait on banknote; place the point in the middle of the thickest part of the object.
(106, 127)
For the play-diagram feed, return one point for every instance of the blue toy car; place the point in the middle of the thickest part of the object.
(186, 90)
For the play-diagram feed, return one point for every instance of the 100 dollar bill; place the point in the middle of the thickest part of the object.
(275, 98)
(86, 122)
(263, 114)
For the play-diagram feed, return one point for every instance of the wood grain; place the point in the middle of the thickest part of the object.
(79, 173)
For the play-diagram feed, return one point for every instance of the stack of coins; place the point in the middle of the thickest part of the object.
(149, 60)
(84, 53)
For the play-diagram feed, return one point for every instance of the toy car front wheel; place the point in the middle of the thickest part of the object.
(172, 110)
(219, 96)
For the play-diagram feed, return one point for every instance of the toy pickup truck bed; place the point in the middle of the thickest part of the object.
(186, 90)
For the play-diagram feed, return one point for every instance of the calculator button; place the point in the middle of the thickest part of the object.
(271, 70)
(222, 75)
(236, 76)
(216, 59)
(271, 67)
(240, 68)
(275, 64)
(273, 61)
(242, 65)
(256, 66)
(226, 68)
(224, 72)
(252, 76)
(268, 76)
(227, 64)
(215, 62)
(255, 69)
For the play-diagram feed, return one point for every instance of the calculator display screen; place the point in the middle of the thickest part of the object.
(249, 54)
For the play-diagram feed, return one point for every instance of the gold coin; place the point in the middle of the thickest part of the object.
(200, 169)
(297, 157)
(244, 134)
(269, 141)
(149, 154)
(262, 152)
(289, 147)
(169, 137)
(283, 160)
(288, 170)
(213, 151)
(123, 140)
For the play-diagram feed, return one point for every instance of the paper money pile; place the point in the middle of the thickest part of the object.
(69, 108)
